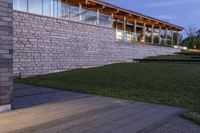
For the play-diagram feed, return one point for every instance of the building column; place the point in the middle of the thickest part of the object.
(166, 35)
(135, 26)
(98, 16)
(117, 24)
(113, 20)
(144, 32)
(172, 37)
(152, 34)
(177, 37)
(135, 30)
(6, 55)
(159, 35)
(80, 12)
(124, 29)
(124, 23)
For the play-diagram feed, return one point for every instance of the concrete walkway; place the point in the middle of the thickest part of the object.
(84, 114)
(174, 125)
(28, 96)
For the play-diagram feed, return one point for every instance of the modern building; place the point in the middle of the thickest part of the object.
(130, 26)
(46, 36)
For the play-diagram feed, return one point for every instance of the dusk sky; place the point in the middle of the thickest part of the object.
(180, 12)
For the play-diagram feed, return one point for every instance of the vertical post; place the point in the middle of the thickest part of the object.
(166, 35)
(124, 24)
(98, 16)
(144, 32)
(135, 26)
(135, 30)
(159, 35)
(124, 28)
(177, 36)
(116, 24)
(80, 12)
(152, 34)
(172, 35)
(6, 55)
(113, 25)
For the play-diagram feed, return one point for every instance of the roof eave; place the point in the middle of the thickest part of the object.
(179, 28)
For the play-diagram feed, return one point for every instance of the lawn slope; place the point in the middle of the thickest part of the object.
(165, 83)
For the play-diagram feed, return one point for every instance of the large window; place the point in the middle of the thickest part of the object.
(91, 17)
(55, 8)
(105, 20)
(35, 6)
(61, 9)
(20, 5)
(46, 7)
(64, 10)
(74, 13)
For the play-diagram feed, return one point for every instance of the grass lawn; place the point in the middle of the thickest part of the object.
(165, 83)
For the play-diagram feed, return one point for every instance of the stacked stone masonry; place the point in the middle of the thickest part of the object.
(6, 32)
(45, 45)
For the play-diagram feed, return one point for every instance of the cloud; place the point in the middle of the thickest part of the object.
(172, 3)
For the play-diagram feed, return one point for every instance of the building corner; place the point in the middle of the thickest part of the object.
(6, 54)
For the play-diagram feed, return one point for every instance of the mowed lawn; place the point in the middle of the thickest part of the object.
(166, 83)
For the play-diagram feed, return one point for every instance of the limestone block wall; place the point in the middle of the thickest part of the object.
(6, 85)
(44, 45)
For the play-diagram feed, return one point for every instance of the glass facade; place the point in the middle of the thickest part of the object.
(127, 36)
(20, 5)
(105, 20)
(61, 9)
(64, 11)
(46, 8)
(74, 13)
(90, 17)
(35, 6)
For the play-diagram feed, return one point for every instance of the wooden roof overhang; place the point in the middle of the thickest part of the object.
(120, 13)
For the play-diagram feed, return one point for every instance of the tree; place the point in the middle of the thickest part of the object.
(197, 42)
(191, 31)
(198, 33)
(193, 38)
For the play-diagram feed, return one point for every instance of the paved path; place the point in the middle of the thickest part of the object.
(28, 96)
(85, 114)
(174, 125)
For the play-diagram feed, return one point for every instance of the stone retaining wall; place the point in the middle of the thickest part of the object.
(6, 85)
(44, 45)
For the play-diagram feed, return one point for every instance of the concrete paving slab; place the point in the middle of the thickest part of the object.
(72, 112)
(28, 96)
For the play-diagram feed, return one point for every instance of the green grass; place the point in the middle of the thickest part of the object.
(195, 117)
(171, 84)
